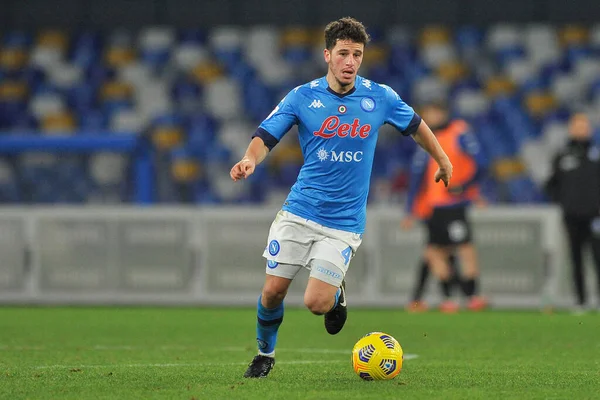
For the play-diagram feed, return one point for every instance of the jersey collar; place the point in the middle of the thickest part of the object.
(341, 96)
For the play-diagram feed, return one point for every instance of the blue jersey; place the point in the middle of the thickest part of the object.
(337, 134)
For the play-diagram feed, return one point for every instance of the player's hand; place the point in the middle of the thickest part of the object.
(242, 169)
(407, 223)
(444, 172)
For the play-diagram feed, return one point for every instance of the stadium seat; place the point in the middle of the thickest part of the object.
(503, 36)
(520, 70)
(185, 168)
(226, 44)
(515, 84)
(522, 190)
(186, 56)
(46, 103)
(12, 58)
(470, 103)
(92, 121)
(128, 121)
(62, 123)
(429, 89)
(223, 98)
(167, 131)
(81, 97)
(86, 49)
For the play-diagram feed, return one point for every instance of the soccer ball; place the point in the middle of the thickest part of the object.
(377, 356)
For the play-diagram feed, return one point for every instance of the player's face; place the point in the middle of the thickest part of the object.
(344, 61)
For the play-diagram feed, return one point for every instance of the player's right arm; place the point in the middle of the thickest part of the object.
(268, 134)
(255, 154)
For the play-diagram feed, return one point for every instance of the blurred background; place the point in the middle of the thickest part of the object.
(107, 106)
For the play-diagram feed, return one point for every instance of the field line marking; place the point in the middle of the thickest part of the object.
(303, 350)
(168, 365)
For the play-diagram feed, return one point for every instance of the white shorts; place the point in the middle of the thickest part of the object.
(295, 242)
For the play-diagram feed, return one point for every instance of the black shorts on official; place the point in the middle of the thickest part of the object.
(449, 226)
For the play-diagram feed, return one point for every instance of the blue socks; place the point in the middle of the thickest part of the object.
(268, 321)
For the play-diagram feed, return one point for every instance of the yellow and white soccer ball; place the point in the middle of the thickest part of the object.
(377, 356)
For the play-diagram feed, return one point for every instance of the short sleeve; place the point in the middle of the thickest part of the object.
(282, 118)
(399, 114)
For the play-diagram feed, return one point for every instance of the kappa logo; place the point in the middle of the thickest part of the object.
(314, 84)
(316, 104)
(367, 83)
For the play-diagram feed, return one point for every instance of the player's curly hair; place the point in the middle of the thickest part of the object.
(346, 28)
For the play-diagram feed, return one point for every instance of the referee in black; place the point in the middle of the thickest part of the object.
(575, 186)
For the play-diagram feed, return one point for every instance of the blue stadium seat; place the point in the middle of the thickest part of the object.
(505, 55)
(155, 58)
(201, 134)
(522, 189)
(295, 55)
(17, 39)
(242, 71)
(184, 89)
(82, 98)
(258, 99)
(91, 121)
(24, 122)
(97, 74)
(86, 49)
(469, 37)
(204, 194)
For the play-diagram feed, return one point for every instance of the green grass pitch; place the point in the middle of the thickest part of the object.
(199, 353)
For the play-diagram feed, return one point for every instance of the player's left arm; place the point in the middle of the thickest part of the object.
(406, 120)
(427, 140)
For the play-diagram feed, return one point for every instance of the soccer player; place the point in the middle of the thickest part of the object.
(575, 186)
(444, 210)
(321, 223)
(417, 304)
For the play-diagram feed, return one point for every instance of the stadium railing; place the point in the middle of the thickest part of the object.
(136, 145)
(191, 255)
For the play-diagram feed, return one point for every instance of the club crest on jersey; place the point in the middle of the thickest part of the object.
(367, 104)
(342, 109)
(331, 127)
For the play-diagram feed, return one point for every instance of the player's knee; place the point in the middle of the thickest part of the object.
(318, 305)
(273, 295)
